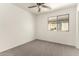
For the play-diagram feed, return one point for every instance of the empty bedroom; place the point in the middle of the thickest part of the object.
(39, 29)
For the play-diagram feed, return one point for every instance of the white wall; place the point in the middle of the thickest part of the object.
(68, 38)
(77, 27)
(16, 26)
(77, 30)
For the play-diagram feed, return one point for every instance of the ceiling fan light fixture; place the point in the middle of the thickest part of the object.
(39, 5)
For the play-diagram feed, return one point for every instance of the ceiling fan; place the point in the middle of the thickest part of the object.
(39, 5)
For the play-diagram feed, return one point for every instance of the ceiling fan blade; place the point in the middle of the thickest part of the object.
(39, 4)
(32, 6)
(45, 6)
(39, 9)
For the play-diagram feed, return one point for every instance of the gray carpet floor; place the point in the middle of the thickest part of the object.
(41, 48)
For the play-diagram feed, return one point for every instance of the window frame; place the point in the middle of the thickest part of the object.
(57, 30)
(68, 23)
(52, 20)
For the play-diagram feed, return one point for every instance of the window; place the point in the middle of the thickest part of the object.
(59, 23)
(52, 24)
(63, 23)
